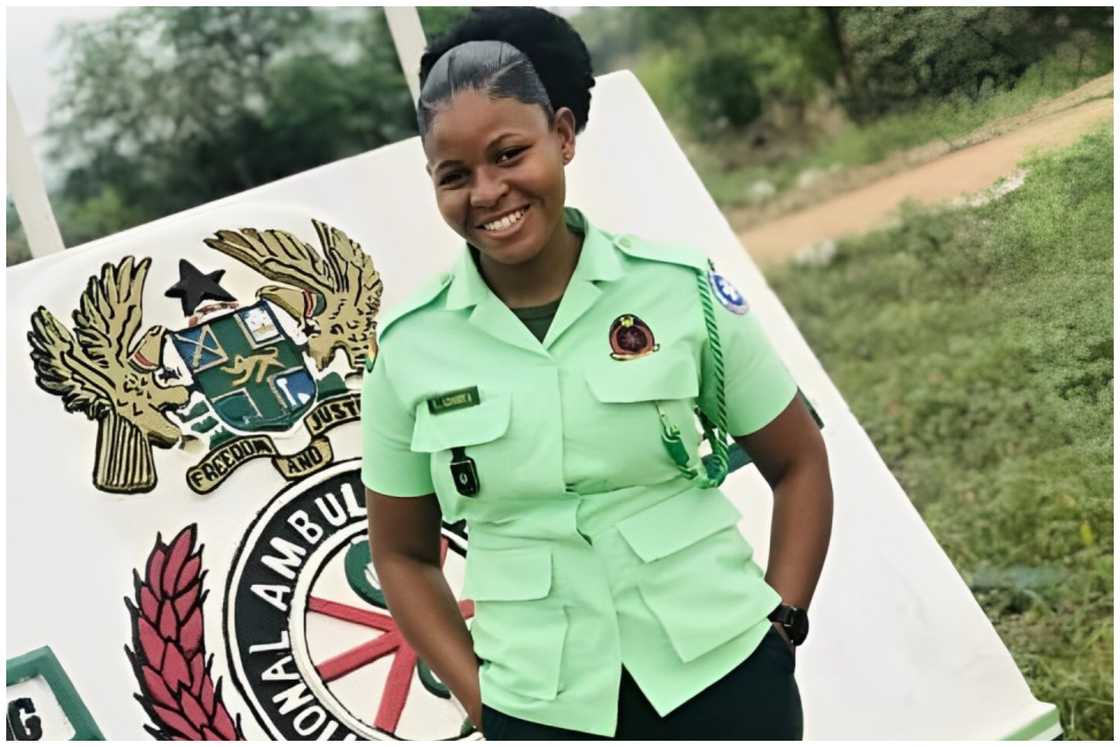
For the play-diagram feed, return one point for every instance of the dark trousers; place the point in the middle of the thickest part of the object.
(758, 699)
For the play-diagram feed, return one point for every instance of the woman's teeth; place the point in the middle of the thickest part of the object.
(506, 221)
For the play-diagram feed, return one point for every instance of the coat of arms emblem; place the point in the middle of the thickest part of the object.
(233, 375)
(249, 369)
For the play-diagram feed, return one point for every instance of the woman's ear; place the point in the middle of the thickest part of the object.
(564, 125)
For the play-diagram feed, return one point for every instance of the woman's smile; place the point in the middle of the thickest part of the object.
(505, 225)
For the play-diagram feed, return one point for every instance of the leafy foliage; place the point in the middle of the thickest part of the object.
(163, 108)
(975, 347)
(730, 65)
(728, 168)
(903, 55)
(726, 62)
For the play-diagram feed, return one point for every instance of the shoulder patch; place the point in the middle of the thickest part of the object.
(727, 294)
(419, 298)
(656, 251)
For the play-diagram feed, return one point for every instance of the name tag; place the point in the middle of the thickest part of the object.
(453, 400)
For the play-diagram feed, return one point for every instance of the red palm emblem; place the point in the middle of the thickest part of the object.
(389, 642)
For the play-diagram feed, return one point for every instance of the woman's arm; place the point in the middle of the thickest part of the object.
(791, 456)
(404, 541)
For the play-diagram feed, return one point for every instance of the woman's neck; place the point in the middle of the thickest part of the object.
(542, 279)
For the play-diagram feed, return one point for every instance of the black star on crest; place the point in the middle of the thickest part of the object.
(194, 287)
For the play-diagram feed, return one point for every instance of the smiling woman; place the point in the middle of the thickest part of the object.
(543, 391)
(497, 167)
(497, 155)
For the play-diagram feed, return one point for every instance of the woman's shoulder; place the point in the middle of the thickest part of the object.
(662, 251)
(421, 298)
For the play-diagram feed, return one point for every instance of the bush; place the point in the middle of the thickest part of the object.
(975, 348)
(718, 90)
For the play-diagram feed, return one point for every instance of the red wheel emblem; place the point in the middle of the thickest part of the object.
(314, 649)
(385, 640)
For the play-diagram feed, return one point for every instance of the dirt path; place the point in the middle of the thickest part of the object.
(961, 172)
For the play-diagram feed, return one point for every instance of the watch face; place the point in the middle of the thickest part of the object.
(800, 627)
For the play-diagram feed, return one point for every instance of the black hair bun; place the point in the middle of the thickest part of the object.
(555, 48)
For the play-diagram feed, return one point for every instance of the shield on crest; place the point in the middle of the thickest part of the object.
(250, 371)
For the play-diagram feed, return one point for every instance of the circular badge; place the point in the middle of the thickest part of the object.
(726, 293)
(313, 648)
(631, 338)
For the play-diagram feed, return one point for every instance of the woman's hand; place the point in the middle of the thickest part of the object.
(473, 702)
(782, 632)
(474, 713)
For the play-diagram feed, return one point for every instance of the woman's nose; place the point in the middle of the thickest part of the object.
(488, 189)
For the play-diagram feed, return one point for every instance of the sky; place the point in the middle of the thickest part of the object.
(30, 56)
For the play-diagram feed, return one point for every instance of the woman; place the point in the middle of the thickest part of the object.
(544, 391)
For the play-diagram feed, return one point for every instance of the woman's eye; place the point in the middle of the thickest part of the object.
(450, 178)
(510, 154)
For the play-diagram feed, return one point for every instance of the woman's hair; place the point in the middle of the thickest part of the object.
(524, 53)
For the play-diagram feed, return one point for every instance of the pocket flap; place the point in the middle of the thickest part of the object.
(660, 375)
(479, 424)
(520, 573)
(677, 522)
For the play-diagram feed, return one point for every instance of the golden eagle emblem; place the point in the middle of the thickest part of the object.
(99, 370)
(336, 298)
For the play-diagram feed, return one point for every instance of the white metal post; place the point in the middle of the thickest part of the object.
(409, 40)
(25, 184)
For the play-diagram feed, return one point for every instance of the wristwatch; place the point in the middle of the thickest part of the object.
(794, 620)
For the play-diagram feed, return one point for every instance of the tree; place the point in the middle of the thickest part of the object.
(904, 55)
(164, 108)
(736, 62)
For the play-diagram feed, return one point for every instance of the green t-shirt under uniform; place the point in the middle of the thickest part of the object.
(537, 318)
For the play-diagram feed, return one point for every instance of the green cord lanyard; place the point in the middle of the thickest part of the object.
(715, 433)
(671, 437)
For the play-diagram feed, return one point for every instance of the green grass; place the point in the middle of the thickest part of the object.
(975, 347)
(949, 120)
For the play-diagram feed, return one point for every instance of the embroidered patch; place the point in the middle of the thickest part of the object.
(726, 293)
(453, 400)
(630, 337)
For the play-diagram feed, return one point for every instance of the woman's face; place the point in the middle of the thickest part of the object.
(497, 167)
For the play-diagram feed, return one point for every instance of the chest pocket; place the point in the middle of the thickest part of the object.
(480, 431)
(624, 420)
(664, 375)
(466, 426)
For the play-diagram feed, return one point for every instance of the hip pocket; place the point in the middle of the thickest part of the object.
(493, 723)
(773, 639)
(697, 577)
(517, 628)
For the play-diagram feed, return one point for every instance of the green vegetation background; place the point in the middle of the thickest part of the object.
(160, 109)
(975, 346)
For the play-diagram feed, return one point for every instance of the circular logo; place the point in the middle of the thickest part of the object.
(726, 293)
(312, 646)
(631, 338)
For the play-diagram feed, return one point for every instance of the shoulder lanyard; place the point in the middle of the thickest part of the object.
(715, 432)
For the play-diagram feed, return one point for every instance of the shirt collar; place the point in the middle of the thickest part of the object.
(598, 260)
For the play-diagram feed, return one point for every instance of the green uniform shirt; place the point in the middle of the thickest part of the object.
(588, 548)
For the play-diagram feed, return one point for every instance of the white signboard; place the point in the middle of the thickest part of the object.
(185, 519)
